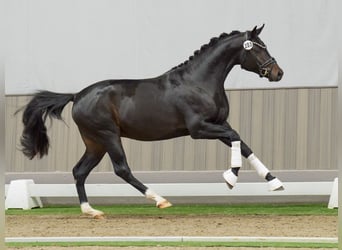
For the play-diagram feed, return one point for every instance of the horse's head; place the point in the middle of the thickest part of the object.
(255, 57)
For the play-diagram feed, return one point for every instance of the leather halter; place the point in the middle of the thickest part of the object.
(263, 70)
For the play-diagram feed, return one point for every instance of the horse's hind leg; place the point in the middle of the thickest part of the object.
(121, 168)
(89, 160)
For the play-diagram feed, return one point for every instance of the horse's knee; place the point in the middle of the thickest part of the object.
(234, 136)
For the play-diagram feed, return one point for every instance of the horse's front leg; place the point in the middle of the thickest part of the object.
(231, 175)
(206, 130)
(274, 184)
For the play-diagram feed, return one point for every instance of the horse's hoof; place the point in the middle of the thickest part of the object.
(164, 204)
(279, 189)
(99, 217)
(96, 214)
(275, 185)
(229, 186)
(230, 178)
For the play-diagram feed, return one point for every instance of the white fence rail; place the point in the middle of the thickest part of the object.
(29, 193)
(182, 189)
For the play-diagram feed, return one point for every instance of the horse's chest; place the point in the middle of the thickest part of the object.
(211, 107)
(218, 109)
(221, 113)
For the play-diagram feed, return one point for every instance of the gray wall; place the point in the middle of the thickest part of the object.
(107, 39)
(289, 129)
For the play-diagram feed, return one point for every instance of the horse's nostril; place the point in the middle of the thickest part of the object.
(280, 74)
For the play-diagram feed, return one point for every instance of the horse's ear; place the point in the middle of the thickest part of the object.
(256, 31)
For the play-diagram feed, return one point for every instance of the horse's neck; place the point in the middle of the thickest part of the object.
(210, 69)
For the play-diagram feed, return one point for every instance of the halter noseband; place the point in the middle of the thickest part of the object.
(263, 70)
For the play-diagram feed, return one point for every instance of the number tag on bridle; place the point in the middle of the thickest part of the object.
(248, 45)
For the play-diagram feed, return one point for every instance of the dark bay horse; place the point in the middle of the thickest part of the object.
(187, 100)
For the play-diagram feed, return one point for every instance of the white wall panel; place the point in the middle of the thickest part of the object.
(65, 45)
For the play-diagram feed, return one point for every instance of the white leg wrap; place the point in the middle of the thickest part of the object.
(261, 169)
(236, 160)
(87, 209)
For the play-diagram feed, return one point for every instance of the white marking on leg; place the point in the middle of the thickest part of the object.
(160, 201)
(150, 194)
(88, 210)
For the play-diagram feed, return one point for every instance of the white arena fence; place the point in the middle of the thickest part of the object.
(25, 194)
(225, 239)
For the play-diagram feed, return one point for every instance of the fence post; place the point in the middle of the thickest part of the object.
(333, 200)
(18, 195)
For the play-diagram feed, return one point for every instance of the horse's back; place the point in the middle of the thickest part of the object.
(140, 109)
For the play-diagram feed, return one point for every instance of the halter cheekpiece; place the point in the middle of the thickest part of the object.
(263, 70)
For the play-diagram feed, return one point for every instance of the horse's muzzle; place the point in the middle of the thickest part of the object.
(275, 74)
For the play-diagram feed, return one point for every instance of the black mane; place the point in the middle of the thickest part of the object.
(213, 41)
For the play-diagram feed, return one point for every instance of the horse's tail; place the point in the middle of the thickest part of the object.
(34, 139)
